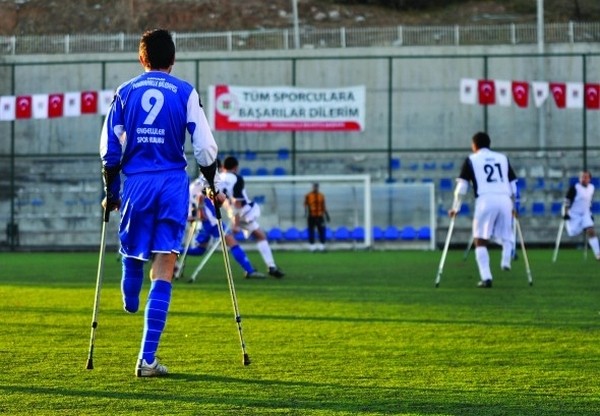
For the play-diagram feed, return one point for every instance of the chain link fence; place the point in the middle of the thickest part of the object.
(277, 39)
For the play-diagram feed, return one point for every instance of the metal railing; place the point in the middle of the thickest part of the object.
(278, 39)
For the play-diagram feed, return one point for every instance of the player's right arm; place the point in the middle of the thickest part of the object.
(112, 138)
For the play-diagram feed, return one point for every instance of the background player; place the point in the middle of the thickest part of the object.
(246, 212)
(494, 184)
(205, 210)
(577, 211)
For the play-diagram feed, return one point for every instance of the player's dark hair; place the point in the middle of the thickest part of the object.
(230, 162)
(157, 49)
(481, 140)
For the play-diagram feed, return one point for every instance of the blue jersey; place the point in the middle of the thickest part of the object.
(145, 129)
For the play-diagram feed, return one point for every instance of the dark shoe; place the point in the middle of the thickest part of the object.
(255, 275)
(506, 268)
(485, 284)
(275, 272)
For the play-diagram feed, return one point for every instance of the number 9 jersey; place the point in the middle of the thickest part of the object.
(145, 129)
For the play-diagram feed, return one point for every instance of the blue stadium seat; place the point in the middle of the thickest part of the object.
(245, 171)
(429, 165)
(283, 154)
(291, 234)
(391, 233)
(540, 184)
(573, 180)
(538, 209)
(395, 163)
(378, 233)
(556, 208)
(259, 199)
(448, 166)
(279, 171)
(304, 234)
(521, 184)
(446, 184)
(275, 234)
(465, 209)
(408, 233)
(595, 207)
(342, 234)
(358, 233)
(424, 233)
(250, 155)
(262, 171)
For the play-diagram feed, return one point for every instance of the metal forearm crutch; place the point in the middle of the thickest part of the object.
(99, 275)
(206, 258)
(445, 252)
(188, 242)
(526, 259)
(561, 227)
(236, 311)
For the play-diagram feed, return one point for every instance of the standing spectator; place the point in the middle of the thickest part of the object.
(577, 211)
(316, 213)
(494, 185)
(143, 138)
(246, 212)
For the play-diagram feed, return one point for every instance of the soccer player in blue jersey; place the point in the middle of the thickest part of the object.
(143, 138)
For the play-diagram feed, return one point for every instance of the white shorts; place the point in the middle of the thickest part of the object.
(248, 217)
(493, 218)
(578, 223)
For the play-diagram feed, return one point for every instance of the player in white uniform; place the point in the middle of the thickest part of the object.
(494, 185)
(246, 212)
(577, 211)
(203, 209)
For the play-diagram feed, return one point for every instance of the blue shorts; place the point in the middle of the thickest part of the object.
(153, 213)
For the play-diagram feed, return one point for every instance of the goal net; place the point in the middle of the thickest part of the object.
(362, 214)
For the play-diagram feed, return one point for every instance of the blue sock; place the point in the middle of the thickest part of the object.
(196, 251)
(155, 318)
(131, 283)
(240, 256)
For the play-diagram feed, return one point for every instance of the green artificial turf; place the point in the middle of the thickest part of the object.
(343, 333)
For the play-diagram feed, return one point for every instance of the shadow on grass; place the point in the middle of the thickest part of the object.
(307, 396)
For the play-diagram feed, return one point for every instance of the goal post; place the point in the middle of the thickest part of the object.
(363, 214)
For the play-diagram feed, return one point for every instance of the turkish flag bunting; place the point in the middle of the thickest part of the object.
(55, 105)
(23, 109)
(520, 91)
(592, 96)
(89, 102)
(487, 92)
(559, 92)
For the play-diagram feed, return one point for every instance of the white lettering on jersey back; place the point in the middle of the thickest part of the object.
(490, 170)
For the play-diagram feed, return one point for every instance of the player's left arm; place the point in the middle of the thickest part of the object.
(203, 142)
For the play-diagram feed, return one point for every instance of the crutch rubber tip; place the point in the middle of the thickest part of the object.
(246, 359)
(90, 364)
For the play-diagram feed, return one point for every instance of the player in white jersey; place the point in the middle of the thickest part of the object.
(143, 138)
(577, 211)
(203, 209)
(246, 212)
(494, 185)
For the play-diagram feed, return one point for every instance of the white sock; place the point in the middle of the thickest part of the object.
(265, 251)
(483, 262)
(593, 242)
(507, 248)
